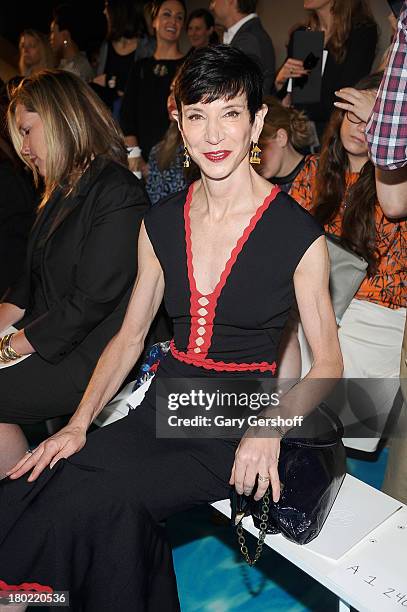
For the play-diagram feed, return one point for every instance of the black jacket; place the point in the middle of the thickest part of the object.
(253, 40)
(17, 214)
(360, 54)
(88, 266)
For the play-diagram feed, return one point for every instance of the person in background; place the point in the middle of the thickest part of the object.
(17, 205)
(245, 32)
(201, 29)
(339, 188)
(81, 257)
(144, 117)
(35, 52)
(166, 172)
(387, 142)
(64, 42)
(350, 35)
(286, 133)
(127, 41)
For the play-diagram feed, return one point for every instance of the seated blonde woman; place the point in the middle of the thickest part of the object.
(81, 256)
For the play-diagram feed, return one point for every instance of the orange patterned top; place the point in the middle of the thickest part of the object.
(389, 286)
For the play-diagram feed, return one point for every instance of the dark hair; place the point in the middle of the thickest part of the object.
(157, 4)
(126, 19)
(202, 14)
(246, 6)
(217, 72)
(66, 18)
(358, 223)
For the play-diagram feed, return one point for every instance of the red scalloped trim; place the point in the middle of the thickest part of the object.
(221, 366)
(196, 295)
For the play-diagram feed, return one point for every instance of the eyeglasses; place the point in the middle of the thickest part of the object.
(353, 118)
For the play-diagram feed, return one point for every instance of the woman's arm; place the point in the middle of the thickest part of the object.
(258, 452)
(125, 348)
(391, 186)
(9, 314)
(113, 366)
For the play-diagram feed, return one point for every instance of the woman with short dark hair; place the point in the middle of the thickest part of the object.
(96, 518)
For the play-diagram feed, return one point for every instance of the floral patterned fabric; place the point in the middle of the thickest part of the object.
(389, 286)
(152, 359)
(162, 183)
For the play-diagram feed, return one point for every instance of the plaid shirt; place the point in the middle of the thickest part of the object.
(386, 130)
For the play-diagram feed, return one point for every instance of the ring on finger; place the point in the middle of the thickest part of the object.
(29, 451)
(263, 478)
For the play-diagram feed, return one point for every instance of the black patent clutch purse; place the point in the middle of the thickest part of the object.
(311, 471)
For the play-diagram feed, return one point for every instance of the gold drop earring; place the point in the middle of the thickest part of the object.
(255, 154)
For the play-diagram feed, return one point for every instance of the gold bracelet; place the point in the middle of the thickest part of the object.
(7, 353)
(3, 356)
(11, 352)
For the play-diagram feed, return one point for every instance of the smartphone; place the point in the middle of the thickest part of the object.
(396, 6)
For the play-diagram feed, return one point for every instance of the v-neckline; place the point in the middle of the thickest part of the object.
(227, 268)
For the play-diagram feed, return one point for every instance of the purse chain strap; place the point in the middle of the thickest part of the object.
(262, 533)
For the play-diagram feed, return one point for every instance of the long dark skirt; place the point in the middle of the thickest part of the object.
(90, 525)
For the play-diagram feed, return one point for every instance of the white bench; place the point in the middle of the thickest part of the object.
(371, 575)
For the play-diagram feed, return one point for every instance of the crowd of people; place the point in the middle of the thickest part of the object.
(151, 195)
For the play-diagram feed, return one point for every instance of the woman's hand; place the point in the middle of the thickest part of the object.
(256, 456)
(100, 80)
(63, 444)
(291, 69)
(360, 103)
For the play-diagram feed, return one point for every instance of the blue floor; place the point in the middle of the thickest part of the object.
(212, 578)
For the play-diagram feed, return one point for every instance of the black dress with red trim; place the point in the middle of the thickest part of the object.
(91, 525)
(236, 328)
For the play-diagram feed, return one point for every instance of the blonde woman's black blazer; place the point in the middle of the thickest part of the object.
(88, 267)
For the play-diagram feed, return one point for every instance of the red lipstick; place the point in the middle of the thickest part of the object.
(217, 156)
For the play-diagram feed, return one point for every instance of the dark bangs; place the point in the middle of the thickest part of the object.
(219, 72)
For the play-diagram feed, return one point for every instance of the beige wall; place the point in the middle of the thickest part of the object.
(278, 16)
